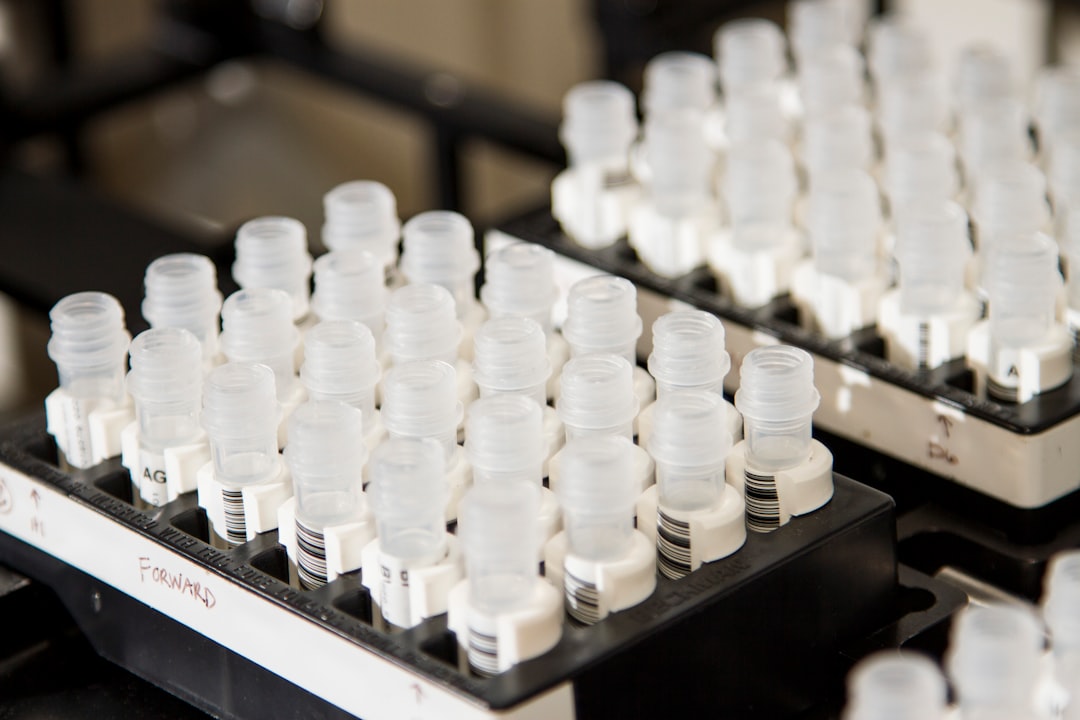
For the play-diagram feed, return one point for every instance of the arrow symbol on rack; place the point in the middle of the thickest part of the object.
(5, 498)
(36, 497)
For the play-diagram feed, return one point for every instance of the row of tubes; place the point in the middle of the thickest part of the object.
(864, 186)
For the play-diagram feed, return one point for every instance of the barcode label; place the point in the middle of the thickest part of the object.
(310, 557)
(922, 354)
(77, 448)
(999, 391)
(672, 546)
(582, 599)
(762, 502)
(483, 652)
(235, 522)
(617, 178)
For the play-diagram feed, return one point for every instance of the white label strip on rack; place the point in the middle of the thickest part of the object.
(345, 674)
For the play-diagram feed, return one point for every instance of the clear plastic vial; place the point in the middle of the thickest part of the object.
(1010, 200)
(680, 163)
(815, 25)
(1061, 611)
(166, 383)
(257, 327)
(777, 399)
(688, 353)
(830, 78)
(421, 324)
(994, 661)
(602, 318)
(498, 531)
(1022, 282)
(504, 440)
(750, 52)
(408, 495)
(349, 285)
(510, 358)
(678, 81)
(896, 686)
(420, 401)
(440, 249)
(837, 140)
(844, 222)
(362, 215)
(759, 187)
(519, 280)
(340, 364)
(597, 397)
(920, 168)
(598, 125)
(690, 445)
(325, 456)
(597, 494)
(182, 292)
(272, 252)
(89, 345)
(240, 414)
(932, 250)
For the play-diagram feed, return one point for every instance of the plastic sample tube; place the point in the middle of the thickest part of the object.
(750, 52)
(602, 317)
(755, 114)
(993, 661)
(408, 495)
(597, 397)
(240, 415)
(1010, 201)
(838, 139)
(678, 81)
(421, 324)
(933, 250)
(89, 345)
(325, 455)
(504, 440)
(689, 448)
(688, 353)
(1061, 611)
(898, 48)
(349, 285)
(597, 494)
(420, 401)
(844, 220)
(257, 327)
(272, 252)
(182, 292)
(777, 399)
(500, 540)
(1023, 282)
(920, 168)
(591, 199)
(362, 214)
(759, 188)
(668, 230)
(815, 25)
(439, 248)
(510, 358)
(1063, 175)
(166, 384)
(993, 133)
(982, 73)
(896, 686)
(910, 105)
(1057, 105)
(830, 78)
(519, 280)
(340, 364)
